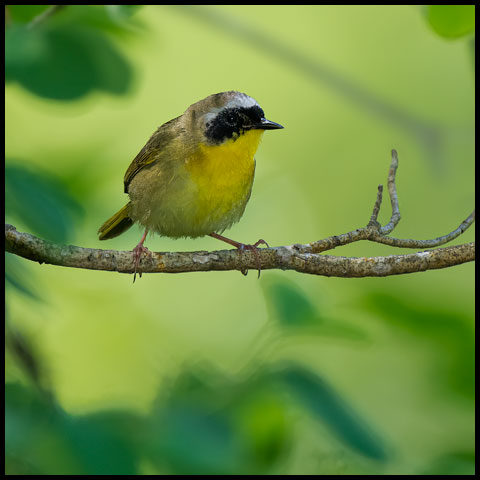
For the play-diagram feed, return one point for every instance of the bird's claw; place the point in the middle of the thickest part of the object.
(254, 249)
(137, 254)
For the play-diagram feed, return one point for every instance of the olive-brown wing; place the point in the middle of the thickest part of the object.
(151, 152)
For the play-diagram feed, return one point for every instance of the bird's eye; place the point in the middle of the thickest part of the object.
(231, 118)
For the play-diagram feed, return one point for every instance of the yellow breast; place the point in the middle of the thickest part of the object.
(223, 175)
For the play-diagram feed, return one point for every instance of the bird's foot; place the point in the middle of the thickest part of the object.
(242, 247)
(254, 249)
(137, 254)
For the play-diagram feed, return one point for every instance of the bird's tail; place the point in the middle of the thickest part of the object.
(116, 225)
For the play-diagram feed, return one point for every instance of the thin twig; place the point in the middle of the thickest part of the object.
(392, 190)
(374, 232)
(376, 209)
(435, 242)
(371, 234)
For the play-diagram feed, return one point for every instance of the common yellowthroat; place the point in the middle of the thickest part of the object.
(194, 176)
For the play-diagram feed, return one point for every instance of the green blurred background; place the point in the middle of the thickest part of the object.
(217, 372)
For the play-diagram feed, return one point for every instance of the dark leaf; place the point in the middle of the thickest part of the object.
(458, 463)
(326, 405)
(47, 440)
(191, 440)
(291, 307)
(260, 415)
(17, 276)
(61, 69)
(208, 423)
(113, 72)
(102, 444)
(23, 49)
(64, 63)
(41, 202)
(22, 349)
(449, 332)
(32, 438)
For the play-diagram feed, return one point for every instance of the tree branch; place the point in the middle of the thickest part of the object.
(284, 258)
(301, 258)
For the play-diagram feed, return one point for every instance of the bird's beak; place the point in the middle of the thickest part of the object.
(267, 125)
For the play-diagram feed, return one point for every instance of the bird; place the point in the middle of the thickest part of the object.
(194, 176)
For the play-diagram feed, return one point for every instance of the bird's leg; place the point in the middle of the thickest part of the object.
(137, 253)
(242, 247)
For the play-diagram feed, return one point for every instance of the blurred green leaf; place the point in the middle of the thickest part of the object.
(109, 18)
(32, 436)
(24, 354)
(61, 68)
(17, 276)
(116, 19)
(449, 332)
(194, 441)
(102, 446)
(291, 307)
(458, 463)
(64, 63)
(49, 441)
(208, 423)
(23, 49)
(261, 416)
(190, 431)
(113, 73)
(325, 404)
(120, 13)
(451, 21)
(25, 13)
(40, 201)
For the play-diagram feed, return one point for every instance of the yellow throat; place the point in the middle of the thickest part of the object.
(224, 174)
(227, 166)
